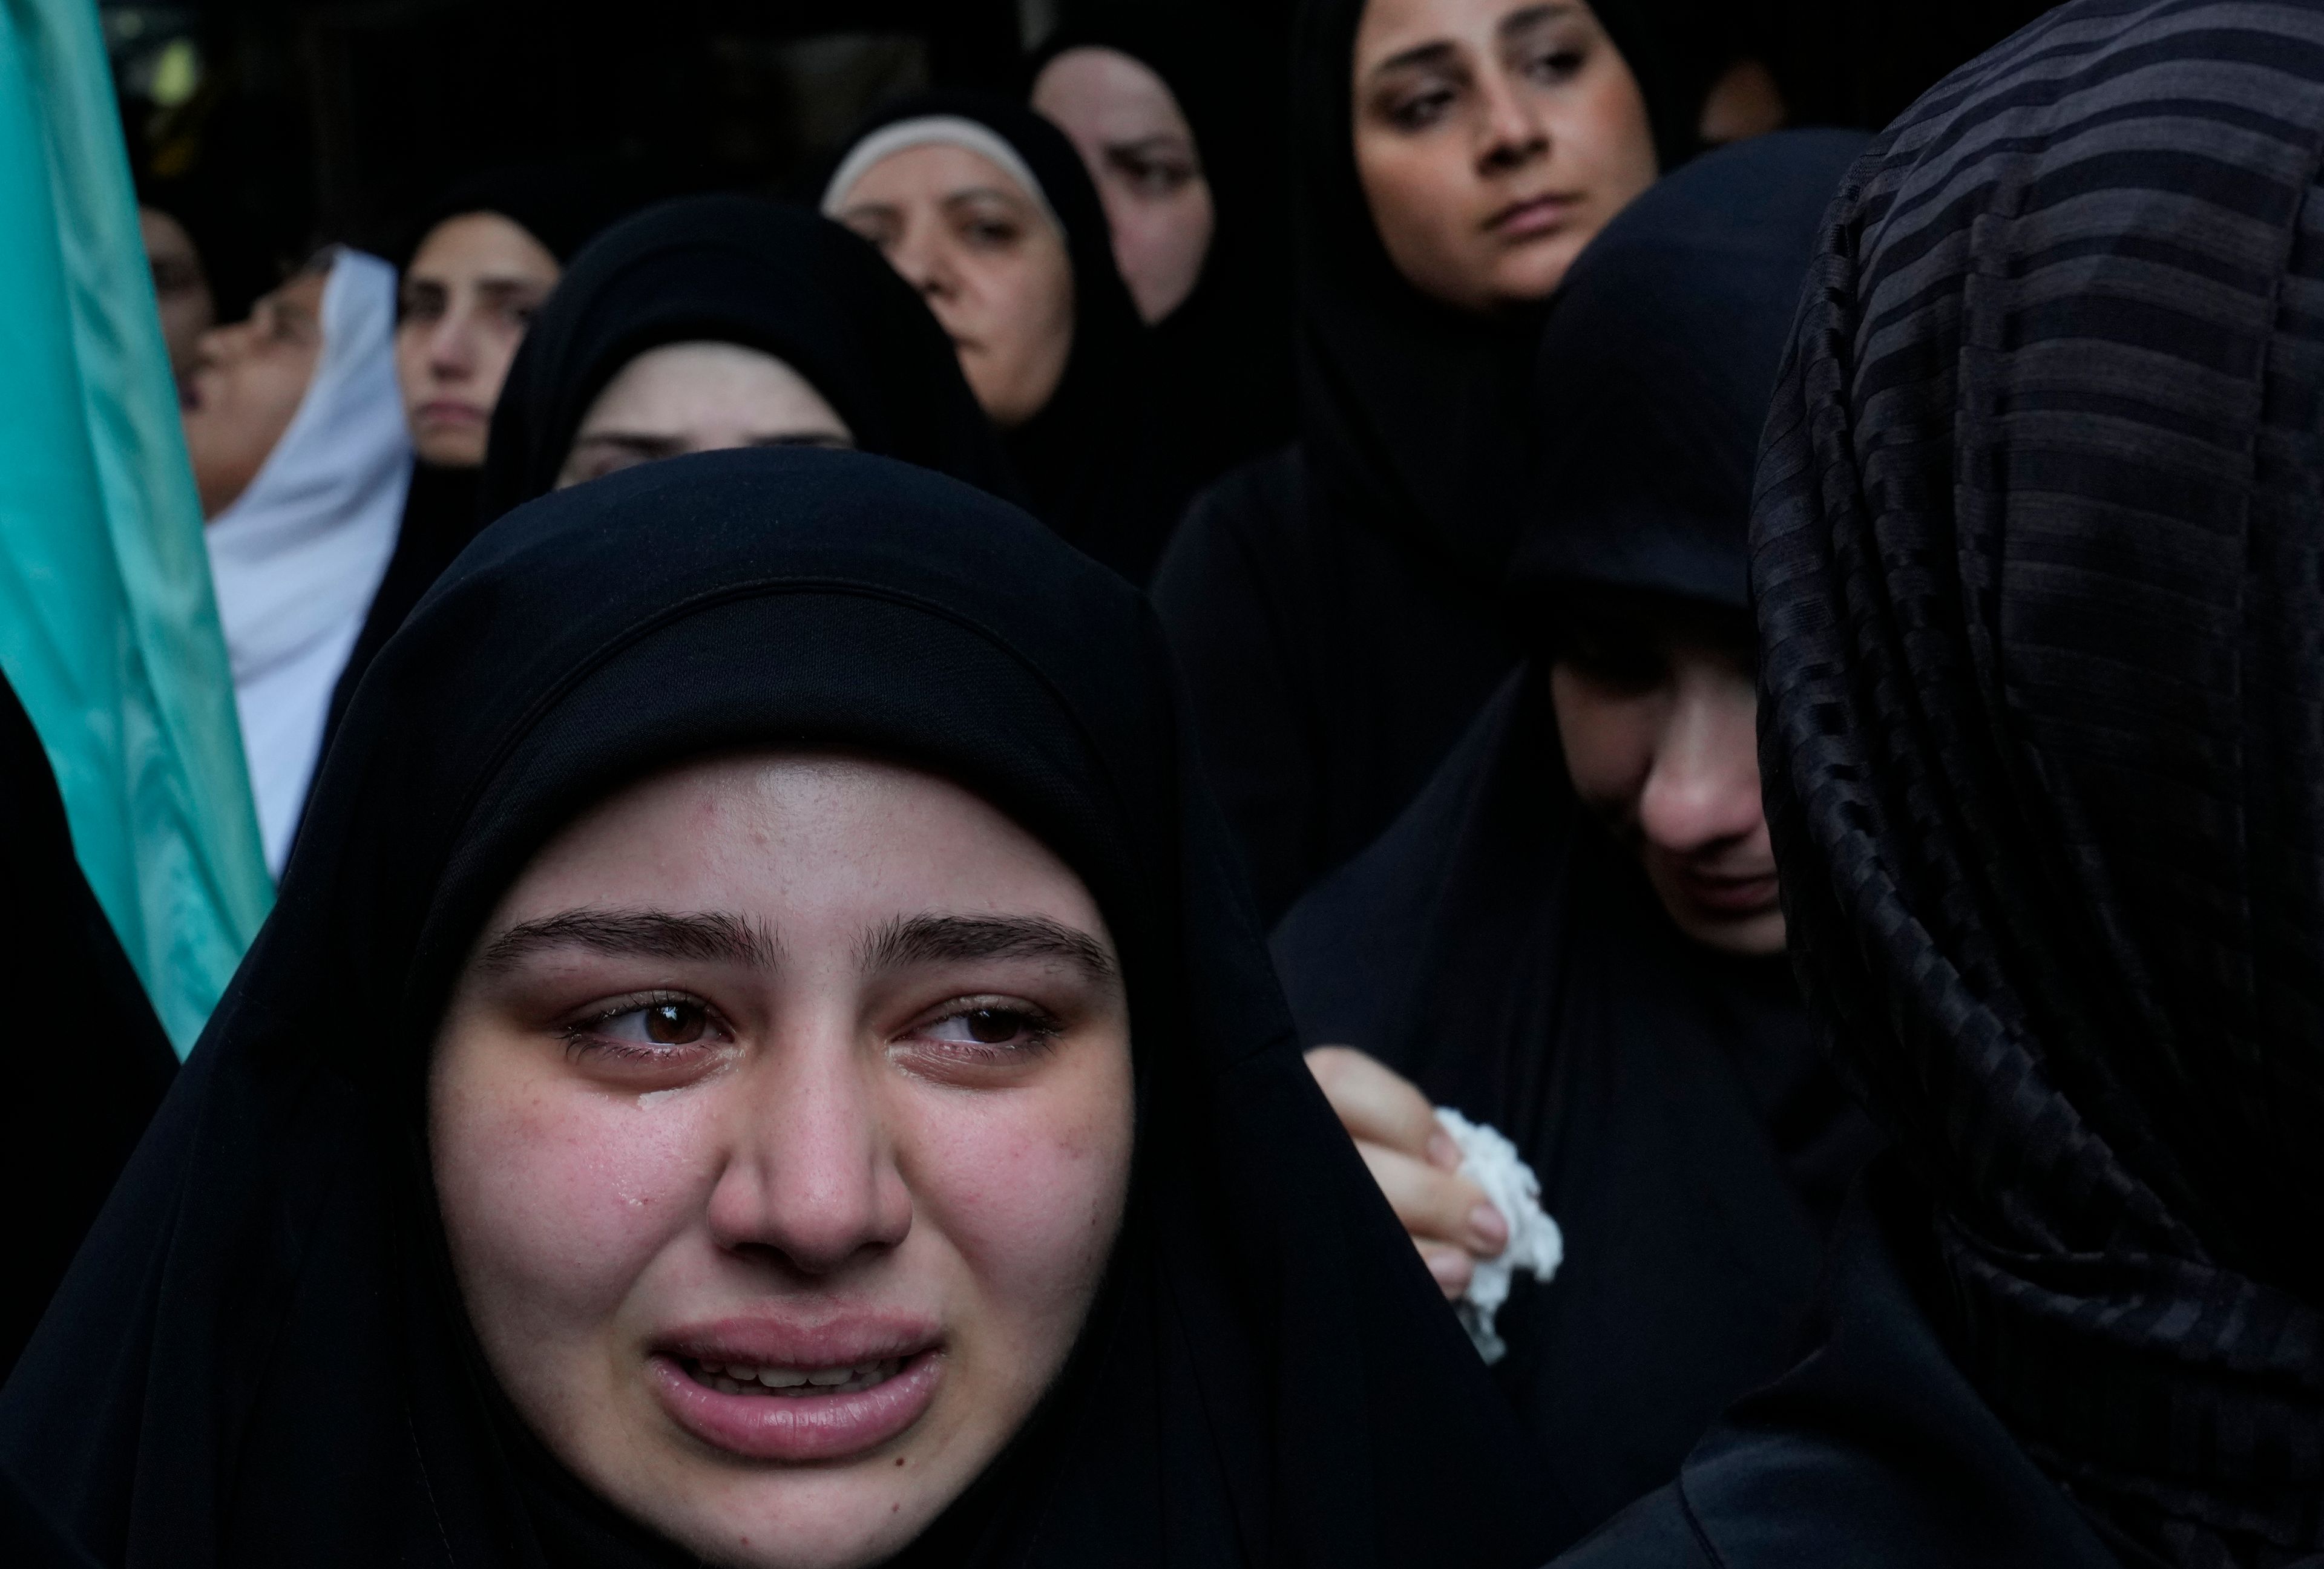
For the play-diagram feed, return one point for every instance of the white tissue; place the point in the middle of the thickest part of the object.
(1536, 1244)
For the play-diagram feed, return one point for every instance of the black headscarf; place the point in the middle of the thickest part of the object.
(1335, 606)
(736, 268)
(90, 1062)
(561, 206)
(1223, 356)
(1100, 463)
(1413, 413)
(2040, 584)
(1267, 1377)
(1501, 948)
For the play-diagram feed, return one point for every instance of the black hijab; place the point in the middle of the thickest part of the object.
(1100, 463)
(1223, 356)
(1413, 413)
(1335, 606)
(561, 206)
(79, 1098)
(2041, 585)
(1267, 1377)
(1502, 949)
(736, 268)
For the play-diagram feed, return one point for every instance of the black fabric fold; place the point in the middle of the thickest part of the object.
(2037, 565)
(1267, 1377)
(84, 1090)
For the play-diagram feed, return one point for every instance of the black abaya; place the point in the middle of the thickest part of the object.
(260, 1357)
(1499, 947)
(736, 268)
(1098, 462)
(1223, 357)
(1335, 606)
(82, 1085)
(2035, 560)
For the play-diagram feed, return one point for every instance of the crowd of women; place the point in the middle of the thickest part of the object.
(1629, 868)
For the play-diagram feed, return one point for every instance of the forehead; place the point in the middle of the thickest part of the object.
(1391, 27)
(302, 295)
(933, 171)
(804, 843)
(480, 244)
(680, 382)
(1108, 93)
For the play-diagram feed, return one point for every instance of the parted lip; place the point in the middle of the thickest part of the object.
(841, 1340)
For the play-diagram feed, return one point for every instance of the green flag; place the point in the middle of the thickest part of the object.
(108, 630)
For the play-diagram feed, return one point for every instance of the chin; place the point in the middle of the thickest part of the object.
(1532, 273)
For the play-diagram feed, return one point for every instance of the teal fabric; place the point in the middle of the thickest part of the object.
(108, 630)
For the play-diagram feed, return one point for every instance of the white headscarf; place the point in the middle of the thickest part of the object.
(298, 556)
(938, 131)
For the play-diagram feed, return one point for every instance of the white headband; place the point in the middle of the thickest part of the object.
(935, 130)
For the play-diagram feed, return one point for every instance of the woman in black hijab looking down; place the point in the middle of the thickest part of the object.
(834, 974)
(1571, 934)
(983, 207)
(718, 322)
(1333, 606)
(1176, 108)
(2034, 558)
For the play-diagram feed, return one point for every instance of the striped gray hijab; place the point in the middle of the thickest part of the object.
(2039, 568)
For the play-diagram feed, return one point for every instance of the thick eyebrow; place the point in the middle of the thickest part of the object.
(712, 936)
(509, 288)
(923, 939)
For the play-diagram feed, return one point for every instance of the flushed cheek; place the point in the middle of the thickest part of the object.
(557, 1202)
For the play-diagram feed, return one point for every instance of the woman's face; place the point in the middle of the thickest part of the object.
(1657, 709)
(988, 261)
(247, 382)
(698, 397)
(1128, 127)
(781, 1124)
(1493, 140)
(466, 300)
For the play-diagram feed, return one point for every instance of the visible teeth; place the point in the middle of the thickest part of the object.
(733, 1379)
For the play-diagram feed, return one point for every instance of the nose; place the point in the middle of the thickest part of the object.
(924, 263)
(812, 1179)
(1703, 787)
(451, 347)
(1514, 131)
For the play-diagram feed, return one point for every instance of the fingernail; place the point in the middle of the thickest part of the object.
(1491, 1232)
(1443, 1152)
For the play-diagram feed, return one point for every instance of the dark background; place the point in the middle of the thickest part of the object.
(270, 126)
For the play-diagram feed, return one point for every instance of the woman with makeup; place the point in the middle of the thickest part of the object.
(984, 208)
(485, 256)
(1573, 934)
(721, 321)
(760, 1060)
(2034, 556)
(1333, 605)
(1176, 108)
